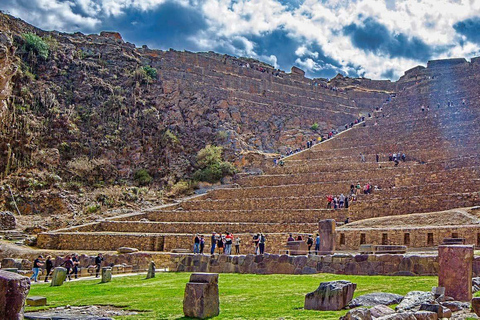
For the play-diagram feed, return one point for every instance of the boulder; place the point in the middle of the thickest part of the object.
(7, 220)
(414, 299)
(201, 299)
(476, 305)
(58, 277)
(455, 306)
(475, 284)
(151, 270)
(441, 311)
(126, 250)
(14, 289)
(398, 316)
(375, 298)
(357, 314)
(330, 296)
(381, 311)
(106, 274)
(426, 315)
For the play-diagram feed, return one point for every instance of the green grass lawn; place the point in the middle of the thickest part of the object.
(242, 296)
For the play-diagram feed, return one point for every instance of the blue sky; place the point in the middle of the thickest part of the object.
(371, 38)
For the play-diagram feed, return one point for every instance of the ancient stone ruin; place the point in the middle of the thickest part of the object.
(455, 271)
(201, 299)
(14, 289)
(330, 296)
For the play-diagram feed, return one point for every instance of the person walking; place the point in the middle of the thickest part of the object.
(196, 244)
(317, 244)
(228, 243)
(68, 264)
(309, 242)
(48, 267)
(76, 262)
(261, 243)
(37, 264)
(202, 243)
(256, 239)
(98, 264)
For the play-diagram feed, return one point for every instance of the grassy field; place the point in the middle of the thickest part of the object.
(242, 296)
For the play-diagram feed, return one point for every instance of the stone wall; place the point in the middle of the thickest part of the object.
(359, 264)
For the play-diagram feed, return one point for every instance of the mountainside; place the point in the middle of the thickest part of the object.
(81, 114)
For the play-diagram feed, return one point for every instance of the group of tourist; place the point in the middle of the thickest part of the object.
(310, 241)
(222, 242)
(70, 263)
(338, 202)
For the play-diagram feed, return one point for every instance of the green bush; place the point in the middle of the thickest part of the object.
(151, 72)
(314, 126)
(142, 177)
(36, 44)
(211, 166)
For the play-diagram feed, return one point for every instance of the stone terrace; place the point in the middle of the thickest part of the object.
(441, 173)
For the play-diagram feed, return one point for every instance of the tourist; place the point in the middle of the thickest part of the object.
(329, 201)
(256, 240)
(98, 264)
(275, 162)
(202, 244)
(335, 203)
(299, 237)
(347, 220)
(261, 243)
(37, 264)
(358, 188)
(196, 244)
(228, 243)
(309, 242)
(220, 244)
(76, 262)
(317, 244)
(237, 245)
(213, 243)
(290, 238)
(377, 157)
(68, 264)
(48, 267)
(341, 200)
(346, 202)
(404, 157)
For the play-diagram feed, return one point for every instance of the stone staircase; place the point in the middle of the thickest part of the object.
(441, 173)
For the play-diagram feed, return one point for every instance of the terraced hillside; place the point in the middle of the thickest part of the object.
(440, 173)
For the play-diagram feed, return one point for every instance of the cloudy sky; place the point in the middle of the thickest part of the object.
(371, 38)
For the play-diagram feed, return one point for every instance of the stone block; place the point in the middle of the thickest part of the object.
(14, 289)
(106, 274)
(296, 248)
(151, 270)
(358, 314)
(58, 277)
(414, 299)
(14, 270)
(455, 273)
(381, 311)
(201, 299)
(375, 299)
(36, 301)
(326, 230)
(441, 311)
(476, 305)
(425, 315)
(330, 296)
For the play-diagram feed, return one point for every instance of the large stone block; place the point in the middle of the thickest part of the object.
(330, 296)
(201, 299)
(36, 301)
(455, 273)
(58, 277)
(151, 270)
(14, 289)
(106, 274)
(326, 230)
(297, 248)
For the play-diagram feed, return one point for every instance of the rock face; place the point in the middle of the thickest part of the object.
(376, 298)
(151, 270)
(455, 271)
(326, 230)
(7, 221)
(106, 274)
(201, 299)
(59, 276)
(330, 296)
(14, 289)
(413, 300)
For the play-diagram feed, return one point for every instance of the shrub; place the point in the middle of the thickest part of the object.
(314, 126)
(211, 166)
(150, 72)
(142, 177)
(209, 155)
(94, 207)
(36, 44)
(180, 188)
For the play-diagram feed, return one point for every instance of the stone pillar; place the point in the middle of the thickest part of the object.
(151, 270)
(58, 277)
(326, 230)
(455, 271)
(14, 289)
(201, 298)
(106, 274)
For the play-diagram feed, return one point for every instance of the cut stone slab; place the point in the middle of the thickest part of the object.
(151, 270)
(375, 298)
(476, 305)
(414, 299)
(14, 289)
(326, 230)
(106, 274)
(296, 248)
(426, 315)
(380, 311)
(127, 250)
(330, 296)
(455, 271)
(58, 277)
(455, 306)
(201, 299)
(14, 270)
(441, 311)
(36, 301)
(357, 314)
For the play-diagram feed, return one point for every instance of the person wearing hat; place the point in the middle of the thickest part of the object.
(37, 264)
